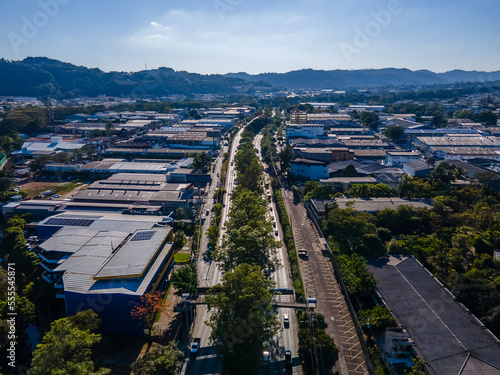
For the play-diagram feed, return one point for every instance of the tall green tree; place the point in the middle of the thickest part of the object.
(185, 279)
(249, 235)
(394, 132)
(286, 156)
(358, 280)
(242, 318)
(317, 351)
(164, 360)
(66, 350)
(369, 119)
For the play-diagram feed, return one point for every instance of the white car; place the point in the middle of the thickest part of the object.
(286, 320)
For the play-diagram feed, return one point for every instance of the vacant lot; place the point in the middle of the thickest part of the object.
(34, 188)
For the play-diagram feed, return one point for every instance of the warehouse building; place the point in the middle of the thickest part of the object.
(107, 271)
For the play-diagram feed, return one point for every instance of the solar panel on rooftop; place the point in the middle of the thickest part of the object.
(143, 236)
(69, 222)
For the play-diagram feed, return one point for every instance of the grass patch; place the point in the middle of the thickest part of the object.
(67, 187)
(34, 188)
(182, 257)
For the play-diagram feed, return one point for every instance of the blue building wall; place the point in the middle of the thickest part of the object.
(113, 309)
(311, 172)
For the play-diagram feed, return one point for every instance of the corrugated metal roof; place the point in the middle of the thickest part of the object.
(132, 259)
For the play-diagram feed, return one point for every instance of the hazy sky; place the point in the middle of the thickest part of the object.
(220, 36)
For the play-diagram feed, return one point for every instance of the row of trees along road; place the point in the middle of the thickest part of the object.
(242, 319)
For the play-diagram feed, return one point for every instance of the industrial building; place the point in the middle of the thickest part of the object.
(106, 270)
(445, 335)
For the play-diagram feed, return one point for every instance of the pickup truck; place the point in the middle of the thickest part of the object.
(195, 346)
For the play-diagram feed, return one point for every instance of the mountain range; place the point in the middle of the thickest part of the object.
(39, 76)
(367, 78)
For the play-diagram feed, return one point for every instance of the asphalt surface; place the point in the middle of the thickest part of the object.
(209, 274)
(287, 337)
(206, 361)
(320, 282)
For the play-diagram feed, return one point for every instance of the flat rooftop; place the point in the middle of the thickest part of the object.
(132, 259)
(372, 204)
(449, 339)
(100, 222)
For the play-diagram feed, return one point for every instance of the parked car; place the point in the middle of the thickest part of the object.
(303, 253)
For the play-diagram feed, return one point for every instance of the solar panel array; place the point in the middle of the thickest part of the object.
(143, 236)
(70, 222)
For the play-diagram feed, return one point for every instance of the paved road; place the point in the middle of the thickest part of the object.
(287, 338)
(320, 282)
(207, 361)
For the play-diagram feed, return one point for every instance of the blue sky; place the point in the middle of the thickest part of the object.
(220, 36)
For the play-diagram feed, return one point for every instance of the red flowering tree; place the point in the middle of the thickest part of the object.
(147, 309)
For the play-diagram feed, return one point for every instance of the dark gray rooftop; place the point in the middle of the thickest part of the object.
(449, 339)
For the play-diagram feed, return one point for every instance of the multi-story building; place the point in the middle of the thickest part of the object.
(400, 158)
(304, 130)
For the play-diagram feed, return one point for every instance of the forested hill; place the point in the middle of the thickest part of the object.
(368, 78)
(39, 76)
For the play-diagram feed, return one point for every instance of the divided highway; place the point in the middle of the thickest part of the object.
(207, 361)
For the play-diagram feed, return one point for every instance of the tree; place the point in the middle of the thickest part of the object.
(6, 183)
(445, 173)
(394, 132)
(213, 234)
(185, 279)
(379, 318)
(286, 156)
(249, 235)
(38, 165)
(316, 344)
(251, 177)
(357, 278)
(109, 129)
(147, 309)
(347, 227)
(439, 121)
(242, 318)
(65, 350)
(369, 119)
(179, 212)
(349, 171)
(179, 239)
(201, 161)
(418, 367)
(413, 187)
(164, 360)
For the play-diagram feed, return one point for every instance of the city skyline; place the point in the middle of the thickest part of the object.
(224, 36)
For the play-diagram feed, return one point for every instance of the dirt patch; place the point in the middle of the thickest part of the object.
(65, 189)
(34, 188)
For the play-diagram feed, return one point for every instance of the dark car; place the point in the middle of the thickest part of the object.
(288, 357)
